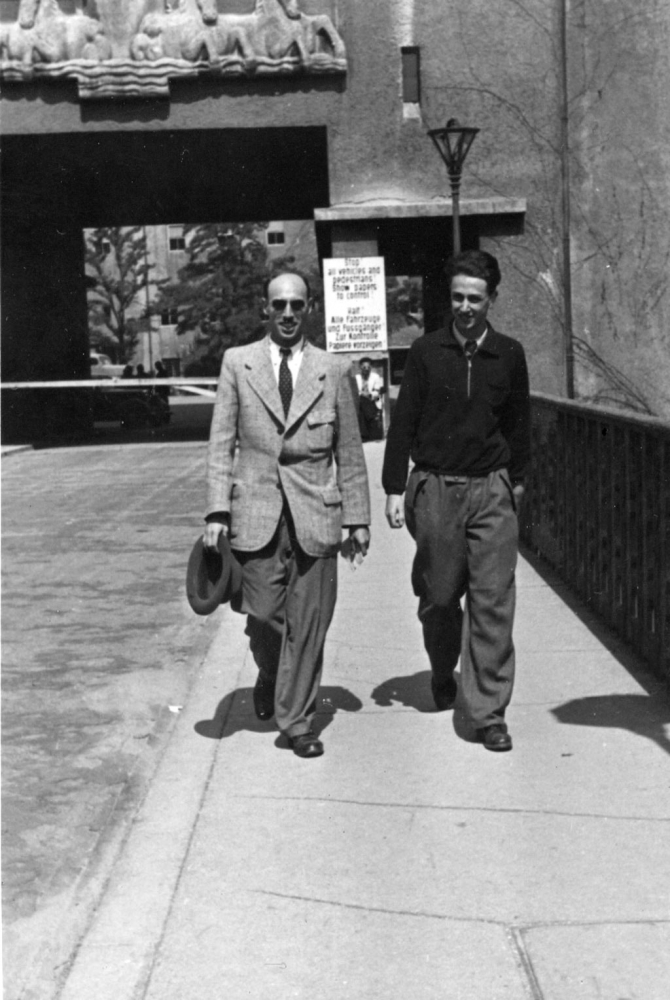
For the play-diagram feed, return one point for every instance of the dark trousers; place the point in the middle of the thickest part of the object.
(369, 419)
(289, 598)
(466, 534)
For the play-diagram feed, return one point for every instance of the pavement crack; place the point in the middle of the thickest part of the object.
(524, 961)
(389, 911)
(494, 810)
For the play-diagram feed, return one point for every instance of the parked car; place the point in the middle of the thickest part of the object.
(102, 367)
(133, 408)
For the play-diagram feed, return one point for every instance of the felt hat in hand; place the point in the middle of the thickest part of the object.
(213, 576)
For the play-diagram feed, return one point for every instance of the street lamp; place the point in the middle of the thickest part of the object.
(453, 144)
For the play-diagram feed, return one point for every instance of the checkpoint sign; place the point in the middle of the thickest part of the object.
(355, 304)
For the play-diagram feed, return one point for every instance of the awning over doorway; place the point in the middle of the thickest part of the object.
(374, 210)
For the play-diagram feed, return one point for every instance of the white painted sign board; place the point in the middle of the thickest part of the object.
(355, 304)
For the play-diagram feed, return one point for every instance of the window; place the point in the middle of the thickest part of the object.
(176, 239)
(170, 317)
(411, 75)
(275, 237)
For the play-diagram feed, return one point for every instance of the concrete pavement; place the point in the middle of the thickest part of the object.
(177, 852)
(99, 650)
(407, 862)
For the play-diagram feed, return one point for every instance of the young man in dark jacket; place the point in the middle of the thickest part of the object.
(463, 417)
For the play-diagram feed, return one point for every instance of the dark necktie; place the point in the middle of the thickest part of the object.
(285, 379)
(470, 348)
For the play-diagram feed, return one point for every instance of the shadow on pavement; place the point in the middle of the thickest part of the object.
(638, 713)
(597, 626)
(412, 691)
(235, 713)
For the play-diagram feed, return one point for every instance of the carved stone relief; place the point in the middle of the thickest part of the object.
(132, 48)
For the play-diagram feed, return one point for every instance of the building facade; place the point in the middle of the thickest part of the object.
(142, 118)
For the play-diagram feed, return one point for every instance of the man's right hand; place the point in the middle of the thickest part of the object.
(395, 510)
(211, 533)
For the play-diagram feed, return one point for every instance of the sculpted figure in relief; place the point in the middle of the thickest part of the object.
(275, 30)
(180, 33)
(43, 33)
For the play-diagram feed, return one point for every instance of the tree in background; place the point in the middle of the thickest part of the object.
(219, 291)
(404, 303)
(117, 271)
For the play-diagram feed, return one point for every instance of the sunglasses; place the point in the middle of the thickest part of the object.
(296, 305)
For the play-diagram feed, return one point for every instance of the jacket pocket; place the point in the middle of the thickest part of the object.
(318, 417)
(321, 428)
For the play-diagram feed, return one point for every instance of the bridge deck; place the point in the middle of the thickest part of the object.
(407, 862)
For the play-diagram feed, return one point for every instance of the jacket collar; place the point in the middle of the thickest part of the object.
(308, 387)
(490, 346)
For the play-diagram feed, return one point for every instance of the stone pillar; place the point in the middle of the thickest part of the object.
(45, 328)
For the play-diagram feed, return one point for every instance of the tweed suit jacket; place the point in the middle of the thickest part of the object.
(313, 457)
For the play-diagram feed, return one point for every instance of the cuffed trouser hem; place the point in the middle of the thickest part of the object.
(466, 533)
(290, 599)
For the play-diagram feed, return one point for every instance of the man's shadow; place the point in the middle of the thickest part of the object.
(414, 692)
(641, 714)
(235, 713)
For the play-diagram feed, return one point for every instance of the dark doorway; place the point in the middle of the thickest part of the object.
(54, 186)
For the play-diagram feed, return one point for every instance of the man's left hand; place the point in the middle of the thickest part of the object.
(360, 538)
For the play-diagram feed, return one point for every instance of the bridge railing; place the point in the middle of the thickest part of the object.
(597, 508)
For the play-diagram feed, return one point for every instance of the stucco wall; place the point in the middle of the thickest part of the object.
(496, 66)
(620, 61)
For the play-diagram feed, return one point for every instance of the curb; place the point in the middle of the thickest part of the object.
(116, 954)
(15, 449)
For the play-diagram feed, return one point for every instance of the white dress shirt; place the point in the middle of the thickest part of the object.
(294, 361)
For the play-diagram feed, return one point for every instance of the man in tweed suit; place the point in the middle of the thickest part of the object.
(297, 479)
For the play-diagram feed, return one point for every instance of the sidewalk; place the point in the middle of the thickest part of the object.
(407, 863)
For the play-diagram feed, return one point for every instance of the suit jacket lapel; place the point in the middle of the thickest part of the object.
(309, 384)
(262, 380)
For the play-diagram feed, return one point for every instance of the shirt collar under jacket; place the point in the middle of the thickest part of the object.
(274, 349)
(463, 340)
(488, 342)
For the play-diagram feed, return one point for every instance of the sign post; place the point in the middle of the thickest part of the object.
(355, 304)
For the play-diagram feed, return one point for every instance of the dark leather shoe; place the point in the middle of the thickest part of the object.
(264, 698)
(444, 695)
(306, 745)
(496, 737)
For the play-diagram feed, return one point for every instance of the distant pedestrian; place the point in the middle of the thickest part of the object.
(286, 473)
(140, 372)
(370, 391)
(462, 415)
(161, 372)
(128, 372)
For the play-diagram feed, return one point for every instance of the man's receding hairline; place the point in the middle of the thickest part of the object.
(287, 274)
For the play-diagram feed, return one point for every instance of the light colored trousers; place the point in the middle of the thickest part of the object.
(466, 533)
(289, 598)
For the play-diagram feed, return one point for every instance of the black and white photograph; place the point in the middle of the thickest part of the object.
(335, 437)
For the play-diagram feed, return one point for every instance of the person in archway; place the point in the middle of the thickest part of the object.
(370, 391)
(463, 415)
(298, 478)
(162, 391)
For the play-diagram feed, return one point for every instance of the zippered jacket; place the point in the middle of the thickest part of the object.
(460, 417)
